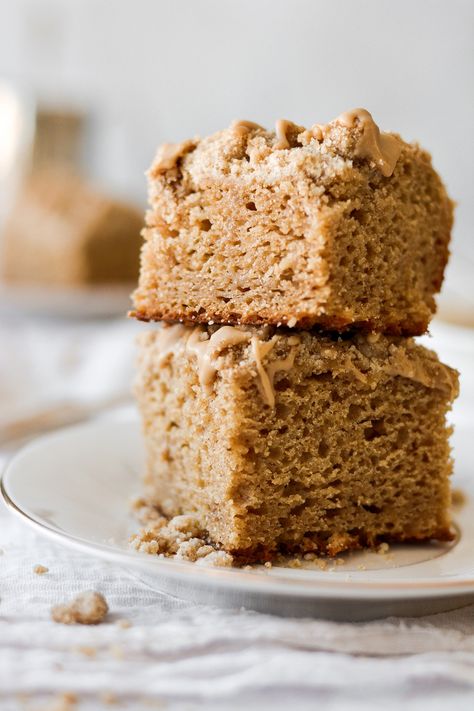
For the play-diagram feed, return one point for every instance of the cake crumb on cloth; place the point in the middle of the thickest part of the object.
(87, 608)
(40, 569)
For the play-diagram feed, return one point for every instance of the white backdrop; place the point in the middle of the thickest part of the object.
(155, 70)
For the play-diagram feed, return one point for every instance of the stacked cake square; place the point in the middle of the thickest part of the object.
(285, 404)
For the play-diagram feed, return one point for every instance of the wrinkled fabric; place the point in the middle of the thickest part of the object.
(193, 656)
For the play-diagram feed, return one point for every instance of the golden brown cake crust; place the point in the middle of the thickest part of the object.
(343, 544)
(333, 226)
(306, 323)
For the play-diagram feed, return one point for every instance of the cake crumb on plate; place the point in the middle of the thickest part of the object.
(180, 537)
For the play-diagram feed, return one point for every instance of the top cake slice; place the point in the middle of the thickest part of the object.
(334, 226)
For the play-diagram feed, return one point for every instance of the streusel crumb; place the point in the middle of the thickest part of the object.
(87, 651)
(145, 513)
(294, 563)
(181, 537)
(63, 702)
(87, 608)
(123, 624)
(220, 559)
(40, 569)
(107, 697)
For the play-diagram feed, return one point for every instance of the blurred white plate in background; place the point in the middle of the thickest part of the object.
(72, 302)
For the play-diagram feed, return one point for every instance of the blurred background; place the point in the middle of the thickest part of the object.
(91, 87)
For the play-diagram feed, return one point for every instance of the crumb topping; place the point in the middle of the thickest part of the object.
(180, 537)
(87, 608)
(40, 569)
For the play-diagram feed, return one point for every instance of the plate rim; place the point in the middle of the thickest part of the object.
(222, 577)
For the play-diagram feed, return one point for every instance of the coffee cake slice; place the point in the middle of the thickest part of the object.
(62, 231)
(338, 225)
(282, 442)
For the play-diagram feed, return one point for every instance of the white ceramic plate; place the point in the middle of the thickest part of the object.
(76, 484)
(70, 302)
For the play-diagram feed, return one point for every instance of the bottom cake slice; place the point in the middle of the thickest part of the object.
(284, 442)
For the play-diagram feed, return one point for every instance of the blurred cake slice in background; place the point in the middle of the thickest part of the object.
(62, 231)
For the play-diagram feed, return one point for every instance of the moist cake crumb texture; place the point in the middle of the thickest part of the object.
(174, 538)
(347, 447)
(288, 413)
(339, 225)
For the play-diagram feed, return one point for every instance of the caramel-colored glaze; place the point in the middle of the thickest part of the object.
(206, 351)
(281, 127)
(177, 338)
(260, 349)
(381, 148)
(173, 339)
(168, 154)
(317, 131)
(399, 364)
(242, 127)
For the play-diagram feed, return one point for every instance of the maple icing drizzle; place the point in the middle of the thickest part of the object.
(281, 128)
(381, 148)
(171, 339)
(265, 384)
(168, 154)
(206, 351)
(176, 338)
(242, 127)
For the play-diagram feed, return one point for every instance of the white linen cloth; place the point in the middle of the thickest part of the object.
(176, 654)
